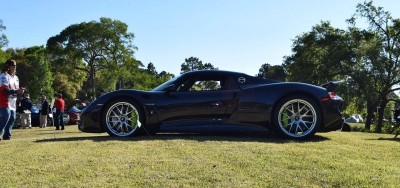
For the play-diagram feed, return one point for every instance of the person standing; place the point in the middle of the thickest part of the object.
(9, 88)
(26, 105)
(44, 112)
(59, 104)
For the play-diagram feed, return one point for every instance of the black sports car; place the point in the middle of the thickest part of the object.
(294, 110)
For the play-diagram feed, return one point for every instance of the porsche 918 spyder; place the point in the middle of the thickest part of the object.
(290, 109)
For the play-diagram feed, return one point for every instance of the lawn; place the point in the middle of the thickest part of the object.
(47, 158)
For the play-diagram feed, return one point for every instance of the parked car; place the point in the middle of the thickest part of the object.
(293, 110)
(355, 118)
(74, 115)
(66, 119)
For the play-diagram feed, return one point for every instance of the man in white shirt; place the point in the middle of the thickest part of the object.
(9, 88)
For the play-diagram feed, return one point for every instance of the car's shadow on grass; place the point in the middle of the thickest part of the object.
(390, 139)
(265, 137)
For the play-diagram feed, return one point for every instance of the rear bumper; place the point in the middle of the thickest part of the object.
(333, 126)
(333, 115)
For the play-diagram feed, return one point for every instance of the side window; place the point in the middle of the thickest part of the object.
(185, 86)
(206, 85)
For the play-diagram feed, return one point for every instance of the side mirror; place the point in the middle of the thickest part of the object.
(170, 88)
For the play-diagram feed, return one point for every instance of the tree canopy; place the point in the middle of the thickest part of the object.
(93, 46)
(274, 72)
(193, 63)
(379, 55)
(3, 38)
(367, 59)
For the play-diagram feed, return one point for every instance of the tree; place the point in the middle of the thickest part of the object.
(3, 43)
(193, 63)
(327, 53)
(151, 69)
(275, 72)
(319, 56)
(100, 45)
(165, 76)
(41, 80)
(379, 55)
(3, 38)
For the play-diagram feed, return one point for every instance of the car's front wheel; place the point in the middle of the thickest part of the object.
(122, 117)
(297, 117)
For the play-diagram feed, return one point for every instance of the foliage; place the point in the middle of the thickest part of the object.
(319, 56)
(151, 69)
(66, 79)
(3, 43)
(46, 158)
(366, 59)
(131, 76)
(69, 85)
(378, 55)
(42, 79)
(3, 56)
(193, 63)
(101, 45)
(275, 72)
(3, 38)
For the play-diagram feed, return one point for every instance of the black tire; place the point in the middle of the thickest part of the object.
(296, 117)
(346, 127)
(122, 118)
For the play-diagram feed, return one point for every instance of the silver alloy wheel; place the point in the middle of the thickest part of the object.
(122, 119)
(297, 118)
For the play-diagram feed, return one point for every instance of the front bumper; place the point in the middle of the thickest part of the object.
(90, 121)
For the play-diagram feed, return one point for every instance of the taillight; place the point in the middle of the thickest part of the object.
(331, 96)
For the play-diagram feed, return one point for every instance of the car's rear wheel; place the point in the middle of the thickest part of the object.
(122, 118)
(297, 117)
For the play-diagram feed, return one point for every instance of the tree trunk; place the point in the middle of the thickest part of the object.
(93, 77)
(381, 112)
(371, 106)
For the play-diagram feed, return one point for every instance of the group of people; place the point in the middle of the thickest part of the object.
(9, 90)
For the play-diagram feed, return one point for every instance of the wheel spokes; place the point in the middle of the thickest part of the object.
(121, 119)
(297, 118)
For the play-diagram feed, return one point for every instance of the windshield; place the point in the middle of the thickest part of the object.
(165, 84)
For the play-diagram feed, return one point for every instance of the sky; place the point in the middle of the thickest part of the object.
(234, 35)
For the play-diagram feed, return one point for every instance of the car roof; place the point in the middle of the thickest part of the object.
(214, 72)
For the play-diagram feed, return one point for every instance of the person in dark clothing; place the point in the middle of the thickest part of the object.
(44, 112)
(26, 106)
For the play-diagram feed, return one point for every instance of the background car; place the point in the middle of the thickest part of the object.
(74, 115)
(66, 119)
(74, 112)
(215, 97)
(355, 118)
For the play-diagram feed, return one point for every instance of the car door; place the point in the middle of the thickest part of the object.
(197, 99)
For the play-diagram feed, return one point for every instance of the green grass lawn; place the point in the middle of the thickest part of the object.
(47, 158)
